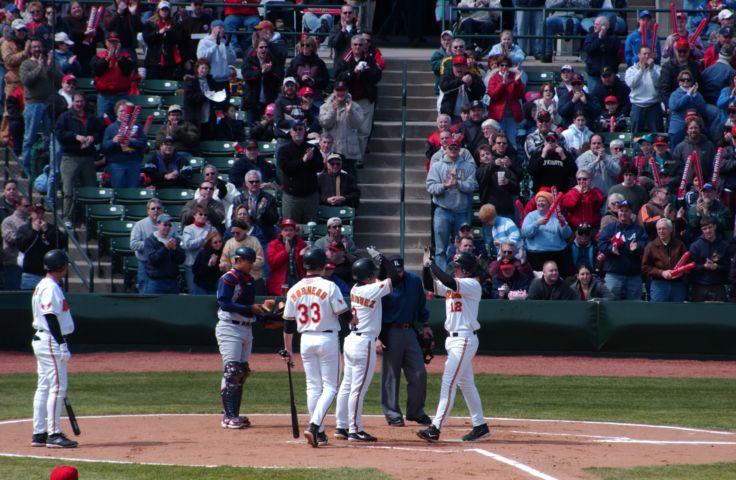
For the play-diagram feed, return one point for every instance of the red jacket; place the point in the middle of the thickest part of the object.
(113, 81)
(242, 10)
(511, 93)
(583, 207)
(278, 263)
(711, 56)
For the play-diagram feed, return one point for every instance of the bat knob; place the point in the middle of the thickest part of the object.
(284, 353)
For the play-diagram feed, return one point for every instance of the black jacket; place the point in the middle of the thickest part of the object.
(300, 178)
(502, 197)
(362, 85)
(164, 49)
(600, 52)
(620, 90)
(194, 98)
(266, 215)
(35, 244)
(314, 67)
(254, 79)
(68, 126)
(162, 264)
(668, 77)
(450, 85)
(560, 290)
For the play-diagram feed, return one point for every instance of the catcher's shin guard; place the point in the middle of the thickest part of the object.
(233, 390)
(239, 392)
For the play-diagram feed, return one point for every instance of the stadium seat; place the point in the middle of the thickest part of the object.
(237, 101)
(159, 115)
(130, 196)
(346, 214)
(109, 229)
(174, 196)
(222, 164)
(170, 100)
(159, 87)
(100, 212)
(130, 272)
(119, 249)
(86, 85)
(217, 148)
(321, 230)
(266, 149)
(84, 196)
(535, 79)
(174, 210)
(196, 163)
(149, 101)
(623, 136)
(135, 212)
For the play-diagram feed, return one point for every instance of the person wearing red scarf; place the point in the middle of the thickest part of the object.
(163, 38)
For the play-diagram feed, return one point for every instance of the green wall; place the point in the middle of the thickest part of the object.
(164, 321)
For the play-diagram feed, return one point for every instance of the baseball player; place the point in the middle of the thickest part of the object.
(236, 298)
(53, 322)
(462, 297)
(362, 345)
(312, 308)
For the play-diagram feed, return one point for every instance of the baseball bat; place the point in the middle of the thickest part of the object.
(72, 417)
(294, 417)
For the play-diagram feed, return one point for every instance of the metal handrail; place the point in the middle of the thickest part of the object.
(402, 176)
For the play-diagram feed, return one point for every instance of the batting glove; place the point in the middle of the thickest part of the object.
(65, 353)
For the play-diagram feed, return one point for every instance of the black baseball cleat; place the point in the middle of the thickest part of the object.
(361, 437)
(311, 435)
(478, 432)
(421, 419)
(395, 422)
(322, 438)
(341, 433)
(59, 440)
(431, 434)
(39, 439)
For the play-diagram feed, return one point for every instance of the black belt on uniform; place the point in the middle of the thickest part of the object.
(360, 334)
(403, 326)
(457, 334)
(320, 331)
(238, 322)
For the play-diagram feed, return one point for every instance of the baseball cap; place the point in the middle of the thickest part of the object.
(452, 141)
(168, 140)
(611, 99)
(11, 8)
(164, 217)
(296, 123)
(38, 208)
(566, 67)
(19, 24)
(661, 140)
(340, 85)
(251, 143)
(649, 138)
(334, 221)
(447, 33)
(584, 227)
(69, 78)
(397, 261)
(289, 80)
(459, 60)
(624, 203)
(725, 14)
(217, 23)
(464, 226)
(113, 36)
(174, 108)
(551, 134)
(476, 104)
(270, 108)
(607, 71)
(306, 91)
(682, 44)
(288, 222)
(709, 187)
(645, 13)
(62, 37)
(725, 31)
(330, 266)
(334, 156)
(264, 24)
(544, 116)
(64, 472)
(163, 4)
(683, 15)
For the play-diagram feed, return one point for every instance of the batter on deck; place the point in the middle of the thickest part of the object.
(362, 345)
(53, 322)
(312, 308)
(462, 296)
(236, 298)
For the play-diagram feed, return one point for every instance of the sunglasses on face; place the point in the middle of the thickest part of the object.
(254, 182)
(507, 252)
(583, 232)
(154, 208)
(206, 188)
(252, 148)
(577, 84)
(453, 147)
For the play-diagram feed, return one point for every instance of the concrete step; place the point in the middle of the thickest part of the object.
(390, 240)
(395, 75)
(413, 175)
(392, 146)
(391, 158)
(412, 101)
(412, 115)
(374, 206)
(388, 223)
(388, 191)
(417, 89)
(411, 129)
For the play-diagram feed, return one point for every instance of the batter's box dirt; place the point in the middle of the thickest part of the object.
(517, 448)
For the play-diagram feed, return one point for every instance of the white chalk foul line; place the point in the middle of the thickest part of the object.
(618, 424)
(513, 463)
(663, 442)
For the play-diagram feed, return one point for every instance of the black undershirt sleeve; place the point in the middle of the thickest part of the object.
(427, 279)
(346, 316)
(54, 327)
(444, 277)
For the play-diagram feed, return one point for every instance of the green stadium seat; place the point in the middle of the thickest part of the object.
(159, 115)
(160, 87)
(196, 163)
(135, 212)
(119, 249)
(536, 79)
(266, 149)
(346, 214)
(130, 272)
(129, 196)
(86, 85)
(623, 136)
(146, 101)
(321, 230)
(174, 210)
(174, 196)
(100, 212)
(109, 229)
(170, 100)
(237, 101)
(222, 164)
(84, 196)
(153, 132)
(217, 148)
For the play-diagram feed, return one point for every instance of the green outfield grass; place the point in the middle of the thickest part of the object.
(701, 403)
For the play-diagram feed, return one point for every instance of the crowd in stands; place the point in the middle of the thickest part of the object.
(627, 173)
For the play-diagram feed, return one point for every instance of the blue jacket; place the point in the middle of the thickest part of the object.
(162, 263)
(115, 154)
(236, 295)
(549, 237)
(719, 250)
(406, 303)
(680, 103)
(714, 79)
(626, 262)
(632, 45)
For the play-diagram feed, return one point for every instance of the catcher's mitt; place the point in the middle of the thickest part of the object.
(426, 341)
(273, 312)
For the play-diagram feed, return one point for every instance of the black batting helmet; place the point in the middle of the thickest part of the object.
(314, 259)
(55, 260)
(464, 261)
(245, 253)
(363, 269)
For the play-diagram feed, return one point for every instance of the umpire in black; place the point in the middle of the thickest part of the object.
(405, 306)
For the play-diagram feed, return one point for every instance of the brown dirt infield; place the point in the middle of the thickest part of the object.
(517, 448)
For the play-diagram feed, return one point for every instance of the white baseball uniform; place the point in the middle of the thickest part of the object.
(359, 353)
(48, 298)
(315, 303)
(461, 323)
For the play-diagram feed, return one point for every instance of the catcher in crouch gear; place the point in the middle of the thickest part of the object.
(313, 306)
(361, 346)
(462, 296)
(237, 312)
